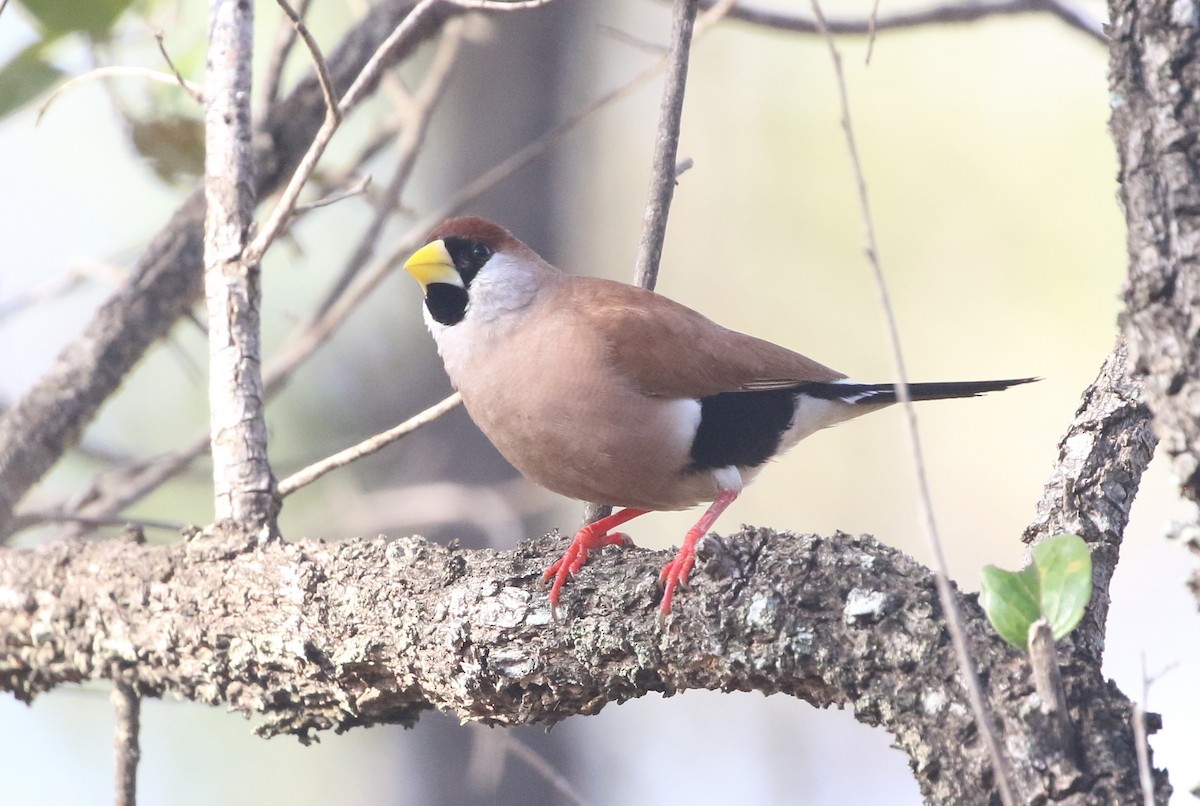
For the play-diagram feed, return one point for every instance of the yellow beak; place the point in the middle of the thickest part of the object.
(432, 264)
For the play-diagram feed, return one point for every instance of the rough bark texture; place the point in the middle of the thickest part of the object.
(314, 636)
(1154, 74)
(166, 280)
(243, 485)
(1101, 458)
(320, 636)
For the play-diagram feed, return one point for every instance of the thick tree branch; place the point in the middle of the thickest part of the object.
(1152, 72)
(321, 636)
(166, 280)
(1101, 458)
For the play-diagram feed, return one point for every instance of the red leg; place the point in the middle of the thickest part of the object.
(593, 536)
(675, 573)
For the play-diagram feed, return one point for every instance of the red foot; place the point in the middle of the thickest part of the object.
(593, 536)
(675, 573)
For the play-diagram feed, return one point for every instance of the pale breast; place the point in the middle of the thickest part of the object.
(548, 397)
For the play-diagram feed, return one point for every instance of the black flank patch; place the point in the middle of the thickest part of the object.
(741, 428)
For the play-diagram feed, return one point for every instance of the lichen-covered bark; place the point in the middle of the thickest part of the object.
(316, 636)
(1154, 75)
(1096, 475)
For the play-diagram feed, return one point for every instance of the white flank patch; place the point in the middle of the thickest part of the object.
(728, 479)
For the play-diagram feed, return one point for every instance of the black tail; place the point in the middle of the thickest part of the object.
(876, 394)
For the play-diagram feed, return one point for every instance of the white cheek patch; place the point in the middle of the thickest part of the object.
(501, 286)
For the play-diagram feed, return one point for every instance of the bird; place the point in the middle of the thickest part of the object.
(610, 393)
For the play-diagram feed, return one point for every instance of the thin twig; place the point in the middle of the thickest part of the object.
(653, 48)
(366, 77)
(539, 764)
(58, 286)
(285, 37)
(142, 480)
(188, 87)
(117, 70)
(664, 171)
(941, 576)
(666, 147)
(499, 5)
(948, 13)
(367, 447)
(314, 50)
(872, 22)
(409, 144)
(27, 518)
(1140, 739)
(128, 706)
(357, 189)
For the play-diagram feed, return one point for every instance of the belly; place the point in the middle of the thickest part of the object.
(609, 446)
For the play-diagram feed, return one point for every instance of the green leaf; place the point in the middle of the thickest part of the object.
(1010, 600)
(93, 17)
(1056, 587)
(24, 78)
(1064, 567)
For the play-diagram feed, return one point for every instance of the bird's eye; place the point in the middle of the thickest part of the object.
(480, 253)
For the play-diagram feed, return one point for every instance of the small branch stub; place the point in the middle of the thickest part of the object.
(1048, 680)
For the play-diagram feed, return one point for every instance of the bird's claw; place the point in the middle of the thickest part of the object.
(574, 557)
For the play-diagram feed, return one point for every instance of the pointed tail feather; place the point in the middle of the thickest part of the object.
(879, 394)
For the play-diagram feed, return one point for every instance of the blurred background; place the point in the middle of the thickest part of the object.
(992, 178)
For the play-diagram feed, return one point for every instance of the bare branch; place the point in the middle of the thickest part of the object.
(366, 78)
(499, 5)
(60, 286)
(872, 26)
(243, 485)
(112, 493)
(954, 623)
(314, 50)
(367, 447)
(1101, 459)
(113, 71)
(491, 749)
(128, 706)
(357, 189)
(285, 37)
(1153, 60)
(666, 146)
(360, 632)
(945, 14)
(412, 138)
(188, 87)
(27, 518)
(1145, 771)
